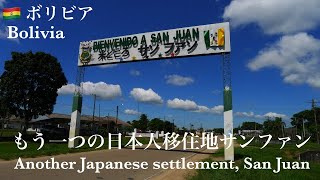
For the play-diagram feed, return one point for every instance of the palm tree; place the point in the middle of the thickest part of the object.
(191, 127)
(278, 126)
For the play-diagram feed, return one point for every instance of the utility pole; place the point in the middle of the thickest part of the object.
(108, 123)
(94, 106)
(172, 125)
(295, 119)
(255, 129)
(99, 112)
(315, 118)
(304, 131)
(139, 114)
(282, 129)
(94, 110)
(117, 119)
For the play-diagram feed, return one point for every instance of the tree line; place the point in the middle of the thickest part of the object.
(304, 124)
(144, 124)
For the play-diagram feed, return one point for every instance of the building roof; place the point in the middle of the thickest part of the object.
(85, 118)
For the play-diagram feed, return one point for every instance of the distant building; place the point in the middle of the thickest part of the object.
(62, 121)
(250, 132)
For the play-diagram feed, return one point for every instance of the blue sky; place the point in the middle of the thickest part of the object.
(275, 58)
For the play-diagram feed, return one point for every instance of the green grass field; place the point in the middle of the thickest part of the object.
(269, 153)
(8, 132)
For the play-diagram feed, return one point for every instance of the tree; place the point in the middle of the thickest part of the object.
(273, 127)
(251, 126)
(143, 122)
(283, 124)
(168, 126)
(135, 124)
(29, 84)
(218, 130)
(306, 116)
(3, 108)
(4, 112)
(156, 124)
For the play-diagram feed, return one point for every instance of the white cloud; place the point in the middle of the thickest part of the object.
(275, 16)
(214, 110)
(131, 112)
(182, 104)
(108, 66)
(188, 105)
(297, 56)
(274, 115)
(146, 96)
(245, 114)
(178, 80)
(135, 73)
(257, 116)
(67, 89)
(101, 89)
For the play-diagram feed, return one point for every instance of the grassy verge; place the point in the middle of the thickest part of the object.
(9, 150)
(8, 132)
(269, 153)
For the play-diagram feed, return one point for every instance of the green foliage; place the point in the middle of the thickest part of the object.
(309, 121)
(29, 84)
(155, 124)
(9, 150)
(269, 154)
(4, 111)
(168, 126)
(8, 132)
(251, 126)
(274, 127)
(218, 130)
(126, 129)
(142, 123)
(112, 127)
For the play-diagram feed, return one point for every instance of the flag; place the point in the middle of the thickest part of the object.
(220, 40)
(214, 38)
(11, 13)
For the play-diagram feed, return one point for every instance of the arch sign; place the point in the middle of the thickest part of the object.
(181, 42)
(212, 39)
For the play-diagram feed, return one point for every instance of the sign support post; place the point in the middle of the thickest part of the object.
(227, 102)
(76, 110)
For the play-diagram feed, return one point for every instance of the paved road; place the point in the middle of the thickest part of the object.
(7, 171)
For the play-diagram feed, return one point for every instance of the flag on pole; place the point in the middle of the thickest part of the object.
(11, 13)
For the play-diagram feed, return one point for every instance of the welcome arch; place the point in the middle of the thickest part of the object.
(212, 39)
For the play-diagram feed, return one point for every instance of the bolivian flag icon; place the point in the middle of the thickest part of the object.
(11, 13)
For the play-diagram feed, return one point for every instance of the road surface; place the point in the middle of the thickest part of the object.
(7, 171)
